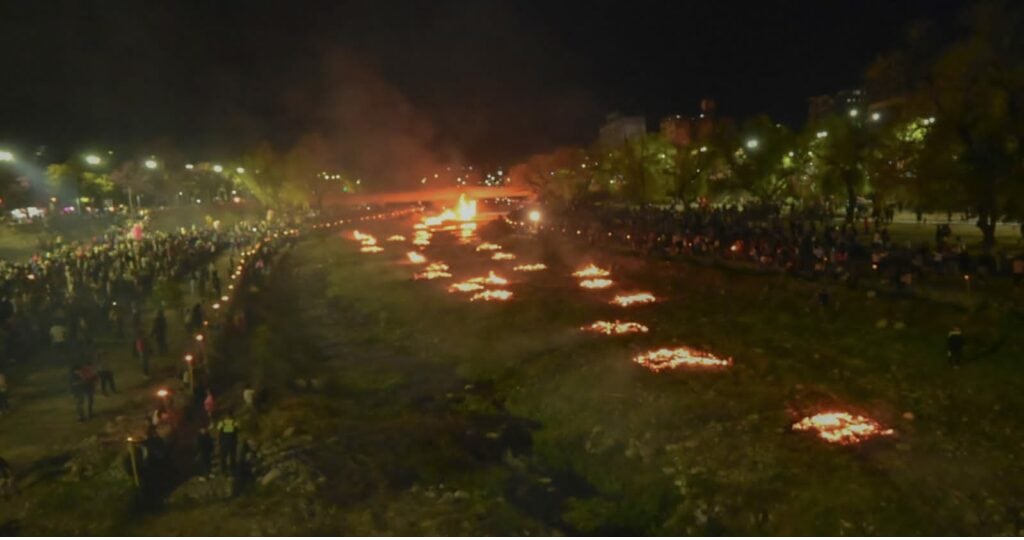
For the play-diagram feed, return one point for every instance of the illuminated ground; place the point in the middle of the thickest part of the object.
(453, 417)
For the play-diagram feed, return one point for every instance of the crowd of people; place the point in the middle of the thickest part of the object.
(809, 242)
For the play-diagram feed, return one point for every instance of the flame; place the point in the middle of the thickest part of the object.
(841, 427)
(591, 271)
(415, 257)
(615, 328)
(502, 256)
(465, 286)
(487, 246)
(437, 267)
(432, 274)
(662, 359)
(396, 238)
(495, 294)
(365, 239)
(371, 249)
(466, 209)
(596, 283)
(422, 238)
(490, 279)
(625, 300)
(529, 267)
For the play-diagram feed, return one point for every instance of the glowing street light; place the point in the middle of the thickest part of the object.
(240, 170)
(93, 159)
(752, 143)
(218, 168)
(150, 164)
(534, 216)
(876, 116)
(190, 166)
(854, 113)
(6, 155)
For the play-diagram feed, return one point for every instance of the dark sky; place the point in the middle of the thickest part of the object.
(484, 81)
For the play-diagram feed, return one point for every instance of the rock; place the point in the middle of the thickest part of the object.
(274, 474)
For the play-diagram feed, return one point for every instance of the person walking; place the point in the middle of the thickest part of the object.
(227, 431)
(955, 346)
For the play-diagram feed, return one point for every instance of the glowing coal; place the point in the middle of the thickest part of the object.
(840, 427)
(662, 359)
(626, 300)
(492, 295)
(591, 271)
(615, 328)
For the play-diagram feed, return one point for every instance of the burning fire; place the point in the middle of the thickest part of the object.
(662, 359)
(466, 209)
(502, 256)
(529, 267)
(465, 286)
(415, 257)
(841, 427)
(615, 328)
(396, 238)
(371, 249)
(596, 283)
(591, 271)
(490, 279)
(434, 271)
(487, 246)
(422, 238)
(495, 294)
(625, 300)
(365, 239)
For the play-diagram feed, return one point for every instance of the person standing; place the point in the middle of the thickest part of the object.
(955, 346)
(159, 332)
(106, 375)
(4, 404)
(79, 393)
(7, 486)
(204, 448)
(142, 352)
(227, 430)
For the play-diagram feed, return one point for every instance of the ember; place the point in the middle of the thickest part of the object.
(416, 257)
(591, 271)
(529, 267)
(496, 294)
(487, 246)
(465, 286)
(625, 300)
(615, 328)
(596, 283)
(662, 359)
(502, 256)
(840, 427)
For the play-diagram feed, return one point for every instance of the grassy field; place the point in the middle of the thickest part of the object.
(450, 417)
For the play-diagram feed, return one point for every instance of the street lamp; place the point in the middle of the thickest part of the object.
(93, 159)
(240, 170)
(876, 116)
(6, 155)
(854, 113)
(534, 216)
(218, 168)
(752, 143)
(189, 166)
(151, 164)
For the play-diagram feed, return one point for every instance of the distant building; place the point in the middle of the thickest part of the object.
(681, 130)
(619, 129)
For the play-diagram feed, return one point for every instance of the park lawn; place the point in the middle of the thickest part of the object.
(629, 451)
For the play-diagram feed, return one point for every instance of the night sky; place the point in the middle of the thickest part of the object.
(477, 81)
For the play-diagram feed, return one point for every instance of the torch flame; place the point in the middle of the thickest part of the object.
(840, 427)
(615, 328)
(495, 294)
(596, 283)
(625, 300)
(591, 271)
(662, 359)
